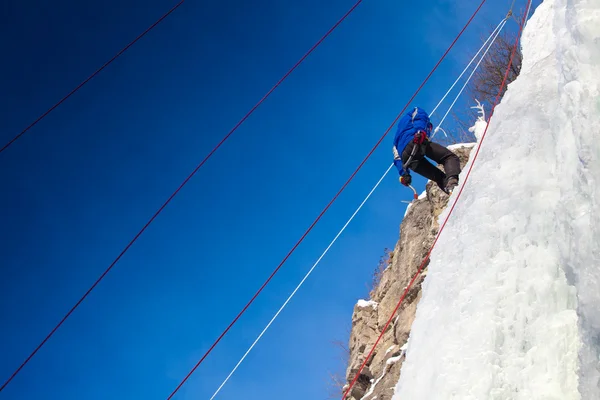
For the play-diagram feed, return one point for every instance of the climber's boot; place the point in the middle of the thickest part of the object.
(450, 185)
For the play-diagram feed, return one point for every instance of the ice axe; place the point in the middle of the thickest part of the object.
(406, 166)
(415, 196)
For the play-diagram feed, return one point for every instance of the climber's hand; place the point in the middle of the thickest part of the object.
(420, 137)
(406, 179)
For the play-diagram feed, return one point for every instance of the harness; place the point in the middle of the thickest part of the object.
(409, 161)
(420, 142)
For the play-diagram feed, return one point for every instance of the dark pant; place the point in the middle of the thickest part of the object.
(437, 153)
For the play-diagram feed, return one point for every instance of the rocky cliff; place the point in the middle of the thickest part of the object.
(417, 232)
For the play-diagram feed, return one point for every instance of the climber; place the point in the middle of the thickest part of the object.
(412, 145)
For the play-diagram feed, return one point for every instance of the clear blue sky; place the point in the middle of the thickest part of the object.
(78, 186)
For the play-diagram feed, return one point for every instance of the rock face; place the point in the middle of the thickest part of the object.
(417, 233)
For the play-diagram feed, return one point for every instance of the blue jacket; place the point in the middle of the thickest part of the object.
(413, 121)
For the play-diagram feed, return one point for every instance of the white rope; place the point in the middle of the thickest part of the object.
(303, 280)
(468, 65)
(468, 79)
(337, 236)
(527, 16)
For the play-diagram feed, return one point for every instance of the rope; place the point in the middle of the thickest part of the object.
(176, 191)
(526, 14)
(469, 78)
(328, 205)
(72, 92)
(302, 282)
(341, 231)
(449, 214)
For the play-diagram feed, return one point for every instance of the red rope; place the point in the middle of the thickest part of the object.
(414, 278)
(7, 145)
(324, 210)
(176, 191)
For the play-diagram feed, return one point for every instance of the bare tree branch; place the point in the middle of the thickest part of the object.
(487, 80)
(486, 83)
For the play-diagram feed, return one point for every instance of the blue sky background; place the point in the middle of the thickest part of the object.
(78, 186)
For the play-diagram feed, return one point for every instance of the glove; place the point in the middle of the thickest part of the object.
(420, 137)
(406, 179)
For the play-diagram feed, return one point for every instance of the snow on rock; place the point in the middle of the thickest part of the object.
(480, 125)
(389, 363)
(365, 303)
(373, 386)
(394, 360)
(407, 208)
(510, 308)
